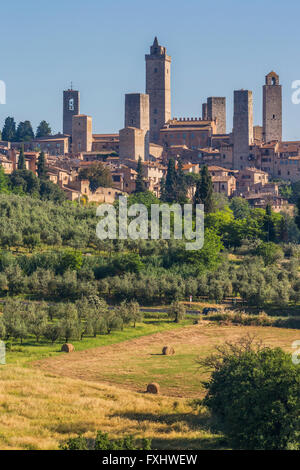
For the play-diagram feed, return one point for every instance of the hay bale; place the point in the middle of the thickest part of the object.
(67, 347)
(153, 388)
(168, 351)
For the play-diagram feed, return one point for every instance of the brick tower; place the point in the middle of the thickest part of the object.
(272, 108)
(71, 107)
(158, 87)
(242, 128)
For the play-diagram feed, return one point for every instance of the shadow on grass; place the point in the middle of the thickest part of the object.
(194, 422)
(205, 443)
(178, 422)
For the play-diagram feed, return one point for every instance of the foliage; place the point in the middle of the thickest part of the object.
(24, 132)
(177, 311)
(140, 185)
(253, 395)
(97, 174)
(43, 130)
(104, 442)
(9, 130)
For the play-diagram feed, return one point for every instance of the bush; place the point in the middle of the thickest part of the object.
(104, 442)
(253, 395)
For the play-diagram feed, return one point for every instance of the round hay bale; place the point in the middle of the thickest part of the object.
(67, 347)
(153, 388)
(168, 351)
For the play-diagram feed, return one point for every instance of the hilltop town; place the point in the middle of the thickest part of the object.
(251, 161)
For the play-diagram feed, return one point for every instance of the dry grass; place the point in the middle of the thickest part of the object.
(38, 410)
(82, 392)
(133, 364)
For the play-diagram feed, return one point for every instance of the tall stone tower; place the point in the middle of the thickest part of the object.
(71, 107)
(82, 137)
(216, 109)
(242, 128)
(137, 125)
(137, 110)
(272, 108)
(158, 87)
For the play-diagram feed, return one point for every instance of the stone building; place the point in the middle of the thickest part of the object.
(242, 128)
(71, 107)
(193, 133)
(135, 135)
(158, 87)
(82, 137)
(132, 143)
(272, 108)
(216, 111)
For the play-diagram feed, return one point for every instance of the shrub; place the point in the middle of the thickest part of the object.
(104, 442)
(253, 395)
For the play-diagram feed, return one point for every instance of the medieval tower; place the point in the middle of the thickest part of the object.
(242, 128)
(272, 108)
(216, 110)
(158, 87)
(71, 107)
(134, 138)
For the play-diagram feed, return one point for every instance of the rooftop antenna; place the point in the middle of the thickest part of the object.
(71, 85)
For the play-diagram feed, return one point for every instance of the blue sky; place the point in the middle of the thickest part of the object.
(216, 47)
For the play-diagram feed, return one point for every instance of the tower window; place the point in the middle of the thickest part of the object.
(155, 111)
(71, 104)
(155, 70)
(273, 81)
(155, 121)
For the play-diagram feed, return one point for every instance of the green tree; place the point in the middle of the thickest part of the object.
(3, 181)
(240, 207)
(21, 160)
(206, 190)
(43, 130)
(181, 184)
(177, 311)
(9, 130)
(24, 181)
(253, 395)
(24, 132)
(170, 185)
(41, 166)
(140, 185)
(269, 225)
(97, 174)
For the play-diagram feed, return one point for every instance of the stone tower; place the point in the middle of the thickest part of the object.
(71, 107)
(137, 115)
(272, 108)
(137, 110)
(158, 87)
(242, 128)
(82, 137)
(216, 109)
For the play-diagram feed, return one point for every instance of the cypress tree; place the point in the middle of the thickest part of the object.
(140, 186)
(171, 182)
(9, 130)
(41, 166)
(269, 225)
(21, 161)
(181, 184)
(206, 190)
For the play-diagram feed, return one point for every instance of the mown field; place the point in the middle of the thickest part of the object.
(44, 400)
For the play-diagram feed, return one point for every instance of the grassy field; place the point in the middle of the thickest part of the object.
(47, 396)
